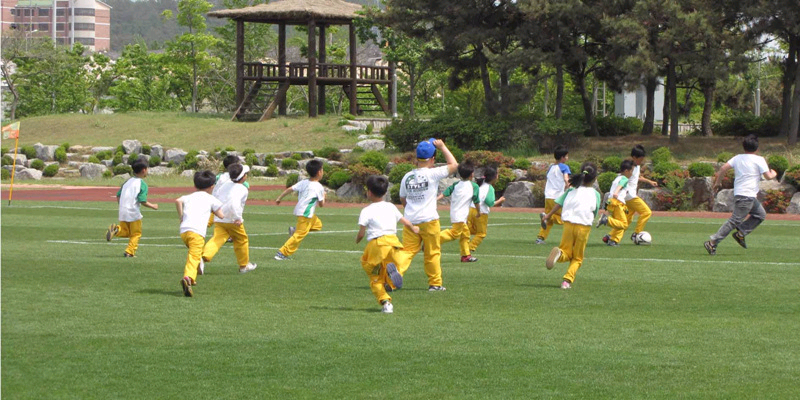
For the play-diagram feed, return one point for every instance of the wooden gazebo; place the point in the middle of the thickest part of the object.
(261, 88)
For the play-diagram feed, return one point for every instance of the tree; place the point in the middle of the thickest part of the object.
(144, 81)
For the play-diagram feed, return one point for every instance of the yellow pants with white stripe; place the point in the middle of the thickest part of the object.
(617, 219)
(637, 205)
(379, 252)
(549, 204)
(478, 227)
(133, 231)
(573, 244)
(241, 243)
(412, 243)
(459, 231)
(304, 226)
(195, 244)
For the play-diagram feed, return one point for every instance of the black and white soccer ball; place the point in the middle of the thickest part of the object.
(643, 238)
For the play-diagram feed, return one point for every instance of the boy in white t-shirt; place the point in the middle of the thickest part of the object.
(193, 211)
(418, 191)
(378, 222)
(617, 217)
(462, 194)
(749, 168)
(132, 194)
(233, 195)
(633, 202)
(310, 194)
(557, 182)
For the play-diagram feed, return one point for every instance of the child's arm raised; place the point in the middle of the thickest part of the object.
(452, 164)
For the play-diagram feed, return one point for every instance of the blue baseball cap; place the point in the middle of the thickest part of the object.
(426, 149)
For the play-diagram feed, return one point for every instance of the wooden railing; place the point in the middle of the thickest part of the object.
(300, 70)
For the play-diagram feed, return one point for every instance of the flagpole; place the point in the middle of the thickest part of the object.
(13, 169)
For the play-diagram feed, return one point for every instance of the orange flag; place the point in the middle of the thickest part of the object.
(11, 131)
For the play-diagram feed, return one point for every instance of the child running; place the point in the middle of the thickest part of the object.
(580, 205)
(478, 220)
(378, 221)
(557, 182)
(310, 193)
(130, 196)
(224, 178)
(749, 169)
(233, 195)
(464, 194)
(635, 204)
(618, 219)
(193, 210)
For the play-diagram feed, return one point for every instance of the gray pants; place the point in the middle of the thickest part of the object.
(742, 207)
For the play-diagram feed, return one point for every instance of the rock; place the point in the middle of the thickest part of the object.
(794, 205)
(189, 173)
(388, 196)
(70, 173)
(724, 201)
(45, 153)
(261, 169)
(160, 171)
(123, 177)
(74, 164)
(358, 124)
(175, 156)
(351, 128)
(701, 189)
(285, 172)
(107, 163)
(763, 186)
(345, 151)
(92, 171)
(306, 154)
(27, 174)
(389, 166)
(202, 153)
(262, 158)
(329, 193)
(22, 159)
(649, 197)
(520, 174)
(519, 194)
(85, 158)
(132, 146)
(373, 136)
(204, 158)
(372, 144)
(157, 150)
(335, 163)
(351, 191)
(444, 184)
(96, 150)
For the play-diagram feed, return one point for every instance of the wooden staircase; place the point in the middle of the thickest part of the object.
(260, 101)
(368, 99)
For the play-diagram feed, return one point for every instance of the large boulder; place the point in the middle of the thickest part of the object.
(45, 153)
(189, 173)
(520, 174)
(22, 159)
(159, 171)
(443, 185)
(92, 171)
(28, 174)
(794, 205)
(701, 189)
(650, 198)
(350, 191)
(519, 194)
(157, 150)
(724, 201)
(372, 144)
(175, 156)
(132, 146)
(98, 149)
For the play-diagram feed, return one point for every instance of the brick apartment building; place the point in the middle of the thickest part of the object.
(77, 21)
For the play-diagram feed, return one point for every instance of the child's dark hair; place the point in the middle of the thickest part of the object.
(230, 160)
(313, 167)
(139, 166)
(560, 152)
(234, 170)
(626, 165)
(204, 179)
(585, 176)
(488, 175)
(750, 143)
(377, 185)
(465, 169)
(638, 151)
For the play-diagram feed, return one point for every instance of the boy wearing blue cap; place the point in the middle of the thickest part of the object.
(418, 191)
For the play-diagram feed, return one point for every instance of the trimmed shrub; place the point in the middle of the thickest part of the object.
(745, 124)
(700, 169)
(94, 160)
(272, 171)
(230, 148)
(291, 179)
(190, 162)
(29, 151)
(65, 146)
(483, 158)
(331, 153)
(616, 126)
(3, 150)
(120, 169)
(61, 155)
(522, 163)
(50, 170)
(464, 131)
(154, 161)
(399, 171)
(146, 149)
(779, 163)
(256, 172)
(457, 153)
(776, 201)
(338, 178)
(573, 166)
(107, 174)
(248, 151)
(119, 149)
(289, 163)
(394, 193)
(250, 159)
(605, 180)
(550, 132)
(727, 180)
(661, 170)
(611, 164)
(661, 155)
(104, 155)
(504, 177)
(792, 176)
(117, 158)
(6, 174)
(672, 195)
(724, 156)
(132, 158)
(37, 164)
(297, 156)
(269, 159)
(8, 160)
(374, 159)
(360, 173)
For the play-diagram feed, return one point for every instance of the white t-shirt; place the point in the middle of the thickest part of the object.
(420, 188)
(579, 206)
(132, 192)
(380, 219)
(620, 180)
(222, 179)
(196, 209)
(555, 181)
(633, 184)
(462, 194)
(748, 168)
(233, 196)
(308, 194)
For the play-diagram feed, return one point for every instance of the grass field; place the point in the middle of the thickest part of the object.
(663, 321)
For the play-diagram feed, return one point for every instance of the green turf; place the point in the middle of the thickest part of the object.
(665, 321)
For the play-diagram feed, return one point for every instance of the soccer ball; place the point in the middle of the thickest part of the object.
(643, 238)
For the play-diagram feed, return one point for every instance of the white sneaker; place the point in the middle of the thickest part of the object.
(555, 254)
(566, 285)
(280, 257)
(291, 230)
(247, 268)
(201, 267)
(388, 308)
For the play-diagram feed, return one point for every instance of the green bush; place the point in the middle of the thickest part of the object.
(537, 173)
(3, 150)
(700, 169)
(107, 174)
(482, 158)
(370, 128)
(119, 149)
(611, 164)
(457, 153)
(522, 163)
(291, 179)
(29, 151)
(117, 159)
(331, 153)
(256, 172)
(361, 172)
(146, 149)
(230, 149)
(51, 170)
(616, 126)
(297, 156)
(61, 155)
(779, 163)
(289, 163)
(190, 162)
(6, 174)
(745, 124)
(269, 159)
(338, 178)
(394, 193)
(154, 161)
(399, 171)
(65, 146)
(120, 169)
(661, 155)
(8, 160)
(104, 155)
(250, 159)
(374, 159)
(551, 132)
(37, 164)
(272, 171)
(132, 158)
(248, 151)
(792, 176)
(672, 195)
(504, 177)
(605, 180)
(358, 149)
(724, 157)
(464, 131)
(573, 166)
(661, 170)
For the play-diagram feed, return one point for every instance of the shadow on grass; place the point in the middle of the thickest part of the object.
(164, 292)
(369, 310)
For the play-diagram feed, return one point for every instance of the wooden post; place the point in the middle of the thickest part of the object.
(312, 69)
(353, 75)
(239, 62)
(282, 63)
(322, 72)
(393, 90)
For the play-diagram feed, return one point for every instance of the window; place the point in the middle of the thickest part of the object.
(84, 11)
(44, 27)
(86, 41)
(13, 11)
(60, 13)
(26, 12)
(81, 26)
(59, 27)
(44, 12)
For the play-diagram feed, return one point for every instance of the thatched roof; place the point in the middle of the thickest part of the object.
(294, 12)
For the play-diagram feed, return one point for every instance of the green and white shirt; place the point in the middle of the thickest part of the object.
(486, 197)
(619, 181)
(308, 194)
(132, 192)
(462, 194)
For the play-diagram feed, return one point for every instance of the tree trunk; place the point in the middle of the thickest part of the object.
(650, 86)
(580, 86)
(708, 105)
(504, 104)
(673, 103)
(794, 123)
(559, 90)
(665, 118)
(12, 112)
(789, 67)
(488, 94)
(412, 92)
(546, 95)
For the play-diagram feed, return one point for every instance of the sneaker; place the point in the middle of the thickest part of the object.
(186, 283)
(555, 254)
(602, 221)
(739, 238)
(112, 231)
(566, 285)
(633, 237)
(539, 241)
(126, 255)
(542, 221)
(247, 268)
(280, 257)
(468, 259)
(201, 267)
(230, 240)
(394, 276)
(711, 248)
(388, 288)
(612, 243)
(606, 238)
(388, 308)
(291, 230)
(436, 288)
